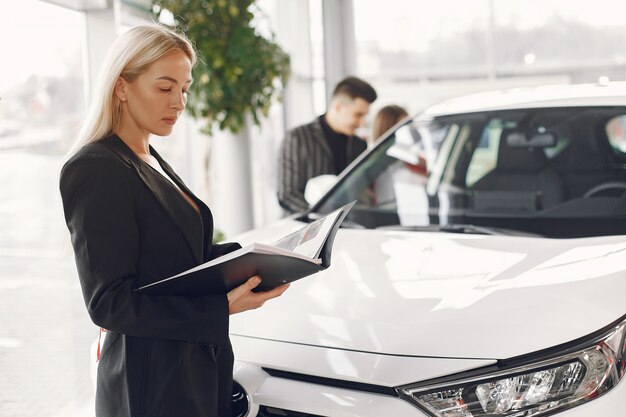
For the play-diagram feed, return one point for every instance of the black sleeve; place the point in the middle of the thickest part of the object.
(99, 210)
(291, 180)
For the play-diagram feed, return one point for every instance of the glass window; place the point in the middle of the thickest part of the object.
(45, 335)
(486, 153)
(42, 102)
(548, 171)
(420, 52)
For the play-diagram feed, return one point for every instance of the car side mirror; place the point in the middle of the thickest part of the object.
(316, 187)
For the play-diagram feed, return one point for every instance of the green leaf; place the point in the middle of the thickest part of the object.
(239, 72)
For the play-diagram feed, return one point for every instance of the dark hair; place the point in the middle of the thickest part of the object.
(387, 117)
(354, 87)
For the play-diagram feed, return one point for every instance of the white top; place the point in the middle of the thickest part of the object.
(160, 170)
(154, 164)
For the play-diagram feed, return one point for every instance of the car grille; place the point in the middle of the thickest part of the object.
(281, 412)
(331, 382)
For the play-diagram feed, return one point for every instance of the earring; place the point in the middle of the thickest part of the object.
(123, 99)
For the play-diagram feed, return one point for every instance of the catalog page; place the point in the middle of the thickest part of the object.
(309, 240)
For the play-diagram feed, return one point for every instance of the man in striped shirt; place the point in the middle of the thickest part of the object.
(326, 145)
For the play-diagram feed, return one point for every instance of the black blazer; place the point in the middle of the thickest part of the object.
(163, 355)
(305, 154)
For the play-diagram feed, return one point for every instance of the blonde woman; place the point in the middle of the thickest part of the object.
(133, 221)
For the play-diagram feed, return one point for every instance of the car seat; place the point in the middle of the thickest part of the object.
(523, 169)
(585, 163)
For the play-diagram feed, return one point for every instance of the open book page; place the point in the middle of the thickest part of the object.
(293, 257)
(308, 241)
(273, 250)
(305, 243)
(292, 240)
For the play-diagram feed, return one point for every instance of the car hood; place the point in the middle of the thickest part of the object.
(445, 295)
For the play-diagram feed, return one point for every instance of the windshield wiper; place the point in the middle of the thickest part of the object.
(348, 224)
(461, 228)
(469, 229)
(345, 224)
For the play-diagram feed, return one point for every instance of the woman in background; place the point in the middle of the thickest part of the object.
(133, 222)
(385, 118)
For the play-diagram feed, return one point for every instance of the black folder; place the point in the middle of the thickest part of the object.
(275, 266)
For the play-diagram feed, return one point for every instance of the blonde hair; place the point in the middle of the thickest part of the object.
(129, 57)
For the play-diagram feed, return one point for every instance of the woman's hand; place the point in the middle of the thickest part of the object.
(242, 298)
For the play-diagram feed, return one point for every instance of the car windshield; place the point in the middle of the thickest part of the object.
(555, 172)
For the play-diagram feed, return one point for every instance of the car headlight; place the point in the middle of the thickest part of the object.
(534, 387)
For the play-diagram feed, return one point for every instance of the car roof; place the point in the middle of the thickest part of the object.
(572, 95)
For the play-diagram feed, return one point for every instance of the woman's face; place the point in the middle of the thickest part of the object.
(152, 103)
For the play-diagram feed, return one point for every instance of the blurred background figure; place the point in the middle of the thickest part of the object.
(403, 182)
(385, 118)
(326, 145)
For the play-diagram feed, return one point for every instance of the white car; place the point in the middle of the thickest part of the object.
(495, 285)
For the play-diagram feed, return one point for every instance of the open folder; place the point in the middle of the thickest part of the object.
(297, 255)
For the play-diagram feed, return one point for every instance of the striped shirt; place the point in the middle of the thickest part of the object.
(304, 154)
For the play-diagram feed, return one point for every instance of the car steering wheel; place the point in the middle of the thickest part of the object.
(615, 185)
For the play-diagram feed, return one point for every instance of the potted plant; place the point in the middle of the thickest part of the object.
(239, 72)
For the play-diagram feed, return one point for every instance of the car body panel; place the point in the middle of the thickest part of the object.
(451, 290)
(322, 400)
(549, 96)
(379, 369)
(304, 397)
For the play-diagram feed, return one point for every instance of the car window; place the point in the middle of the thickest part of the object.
(553, 172)
(486, 153)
